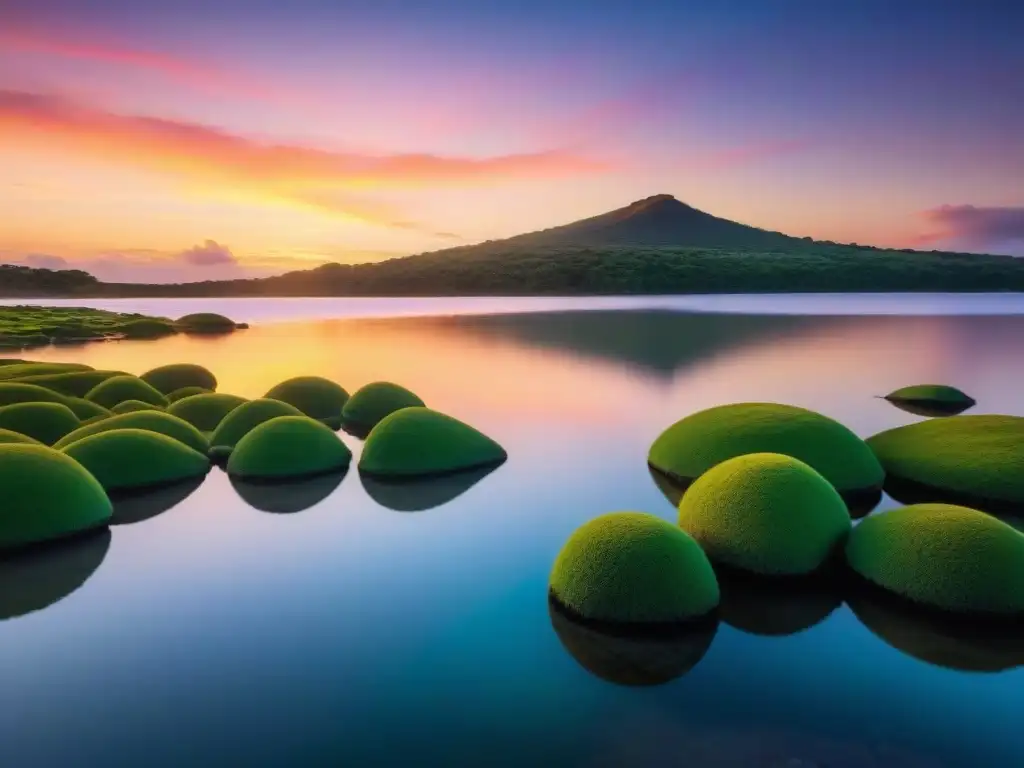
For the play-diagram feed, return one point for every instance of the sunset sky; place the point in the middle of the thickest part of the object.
(192, 140)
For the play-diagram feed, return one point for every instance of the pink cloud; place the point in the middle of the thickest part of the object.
(971, 227)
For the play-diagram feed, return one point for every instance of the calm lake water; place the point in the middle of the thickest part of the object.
(347, 623)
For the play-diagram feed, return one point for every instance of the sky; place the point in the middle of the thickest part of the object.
(191, 140)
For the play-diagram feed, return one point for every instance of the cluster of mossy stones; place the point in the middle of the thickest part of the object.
(26, 327)
(771, 491)
(73, 438)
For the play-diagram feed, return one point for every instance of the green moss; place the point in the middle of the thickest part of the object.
(246, 417)
(942, 556)
(39, 369)
(374, 401)
(151, 421)
(5, 361)
(86, 409)
(631, 567)
(147, 329)
(45, 422)
(36, 579)
(181, 394)
(46, 496)
(932, 393)
(316, 397)
(977, 459)
(205, 322)
(287, 498)
(417, 442)
(10, 436)
(632, 660)
(28, 325)
(690, 447)
(128, 459)
(120, 388)
(288, 447)
(169, 378)
(131, 406)
(765, 513)
(74, 384)
(205, 412)
(17, 392)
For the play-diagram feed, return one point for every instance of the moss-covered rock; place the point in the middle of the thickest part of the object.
(205, 412)
(287, 498)
(86, 409)
(36, 579)
(181, 394)
(205, 322)
(45, 422)
(933, 394)
(247, 417)
(693, 445)
(765, 513)
(419, 442)
(288, 447)
(46, 496)
(18, 392)
(169, 378)
(316, 397)
(131, 459)
(976, 460)
(151, 421)
(10, 436)
(117, 389)
(147, 328)
(74, 384)
(632, 659)
(372, 402)
(131, 406)
(942, 556)
(633, 568)
(22, 370)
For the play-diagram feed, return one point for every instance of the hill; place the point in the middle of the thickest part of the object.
(658, 245)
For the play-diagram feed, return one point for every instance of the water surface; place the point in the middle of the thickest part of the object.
(348, 623)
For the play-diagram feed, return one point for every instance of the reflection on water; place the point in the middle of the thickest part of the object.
(135, 507)
(36, 579)
(287, 497)
(776, 607)
(945, 642)
(632, 660)
(420, 495)
(359, 619)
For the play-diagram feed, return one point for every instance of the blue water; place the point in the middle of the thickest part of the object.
(350, 633)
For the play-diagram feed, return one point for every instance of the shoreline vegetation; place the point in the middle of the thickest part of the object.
(27, 327)
(577, 271)
(657, 245)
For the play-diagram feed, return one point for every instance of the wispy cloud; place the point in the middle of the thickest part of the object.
(190, 71)
(973, 227)
(206, 261)
(327, 179)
